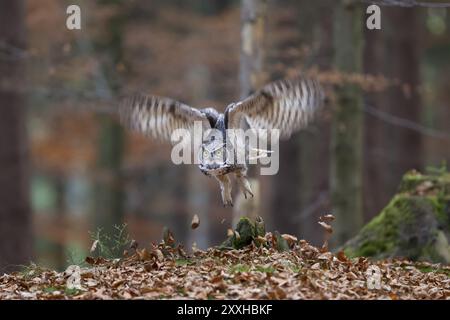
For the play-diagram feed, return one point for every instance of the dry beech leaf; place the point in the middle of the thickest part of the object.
(327, 218)
(143, 254)
(341, 256)
(289, 238)
(195, 222)
(254, 272)
(326, 226)
(117, 283)
(260, 240)
(315, 266)
(159, 254)
(325, 256)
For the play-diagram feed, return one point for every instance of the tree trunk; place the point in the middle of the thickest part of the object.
(286, 199)
(15, 216)
(253, 21)
(314, 142)
(377, 190)
(390, 151)
(346, 144)
(404, 102)
(109, 197)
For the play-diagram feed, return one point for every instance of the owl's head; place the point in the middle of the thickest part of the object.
(213, 156)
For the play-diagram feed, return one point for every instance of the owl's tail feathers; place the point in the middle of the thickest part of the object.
(259, 153)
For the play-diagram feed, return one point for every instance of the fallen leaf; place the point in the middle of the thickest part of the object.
(341, 256)
(327, 218)
(159, 254)
(143, 254)
(289, 238)
(195, 222)
(326, 226)
(315, 266)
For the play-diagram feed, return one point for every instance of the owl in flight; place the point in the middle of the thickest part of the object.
(287, 105)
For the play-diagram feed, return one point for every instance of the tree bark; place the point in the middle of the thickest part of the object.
(109, 193)
(377, 190)
(314, 143)
(390, 151)
(347, 128)
(253, 22)
(15, 216)
(405, 101)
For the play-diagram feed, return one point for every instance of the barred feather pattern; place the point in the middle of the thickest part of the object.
(287, 105)
(157, 116)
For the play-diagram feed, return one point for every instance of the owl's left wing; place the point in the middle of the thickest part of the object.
(159, 116)
(287, 105)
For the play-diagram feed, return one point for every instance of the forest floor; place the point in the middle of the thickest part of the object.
(254, 272)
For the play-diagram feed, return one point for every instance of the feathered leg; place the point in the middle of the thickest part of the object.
(241, 177)
(225, 188)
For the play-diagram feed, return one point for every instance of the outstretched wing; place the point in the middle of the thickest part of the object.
(287, 105)
(158, 117)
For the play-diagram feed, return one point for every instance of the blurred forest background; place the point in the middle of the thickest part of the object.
(68, 168)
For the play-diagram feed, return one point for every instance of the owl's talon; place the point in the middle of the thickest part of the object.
(228, 204)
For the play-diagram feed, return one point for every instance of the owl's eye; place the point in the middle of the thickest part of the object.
(205, 153)
(218, 153)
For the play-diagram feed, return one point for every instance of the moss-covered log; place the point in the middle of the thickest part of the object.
(415, 224)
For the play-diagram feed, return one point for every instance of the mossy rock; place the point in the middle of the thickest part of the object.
(247, 231)
(414, 225)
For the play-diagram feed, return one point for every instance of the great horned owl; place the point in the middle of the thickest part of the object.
(286, 105)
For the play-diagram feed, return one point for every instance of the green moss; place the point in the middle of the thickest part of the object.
(411, 180)
(265, 269)
(427, 269)
(381, 234)
(409, 225)
(295, 268)
(282, 244)
(183, 262)
(247, 231)
(72, 292)
(260, 227)
(50, 289)
(441, 204)
(239, 268)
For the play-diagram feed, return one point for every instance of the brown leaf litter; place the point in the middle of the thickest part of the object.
(258, 271)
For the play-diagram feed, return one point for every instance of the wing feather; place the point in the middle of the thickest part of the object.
(158, 116)
(287, 105)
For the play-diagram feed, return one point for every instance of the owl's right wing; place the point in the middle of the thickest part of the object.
(158, 117)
